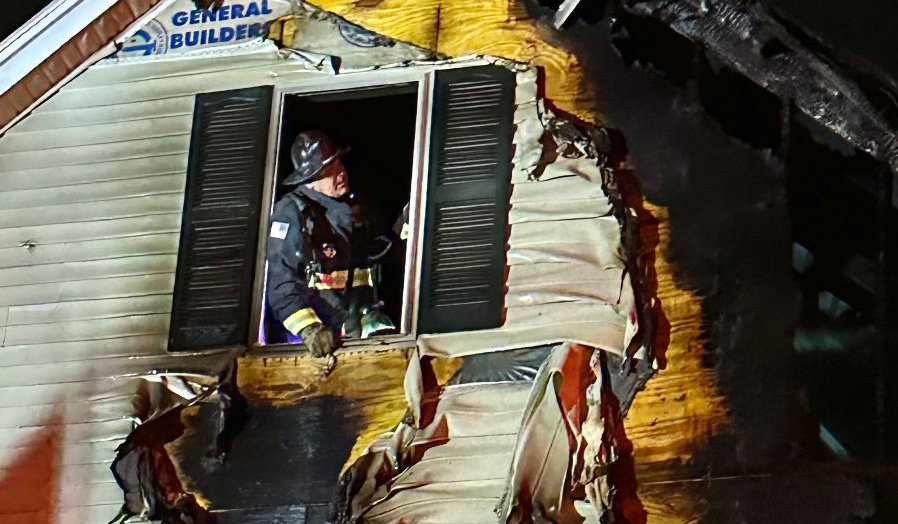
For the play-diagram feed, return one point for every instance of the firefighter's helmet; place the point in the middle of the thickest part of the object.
(312, 151)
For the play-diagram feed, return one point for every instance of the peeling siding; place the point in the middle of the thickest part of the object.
(566, 276)
(91, 193)
(93, 182)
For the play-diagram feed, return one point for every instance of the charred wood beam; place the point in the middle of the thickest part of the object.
(749, 39)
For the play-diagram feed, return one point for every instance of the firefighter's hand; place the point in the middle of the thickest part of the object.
(319, 339)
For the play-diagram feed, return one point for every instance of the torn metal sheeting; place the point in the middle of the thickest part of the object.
(311, 30)
(524, 435)
(565, 10)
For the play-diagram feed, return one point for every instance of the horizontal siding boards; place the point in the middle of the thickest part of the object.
(93, 411)
(36, 395)
(554, 273)
(93, 230)
(81, 433)
(87, 309)
(96, 192)
(72, 482)
(129, 72)
(600, 293)
(111, 368)
(94, 180)
(103, 133)
(88, 270)
(162, 88)
(40, 254)
(86, 330)
(66, 156)
(134, 345)
(76, 453)
(98, 287)
(558, 189)
(97, 171)
(554, 210)
(98, 513)
(170, 202)
(85, 116)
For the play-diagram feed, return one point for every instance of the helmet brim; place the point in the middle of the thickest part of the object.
(298, 178)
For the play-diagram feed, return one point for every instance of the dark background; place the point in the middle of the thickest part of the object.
(787, 234)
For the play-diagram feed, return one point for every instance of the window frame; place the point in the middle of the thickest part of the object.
(423, 76)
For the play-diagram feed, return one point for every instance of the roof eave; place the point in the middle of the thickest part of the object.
(58, 43)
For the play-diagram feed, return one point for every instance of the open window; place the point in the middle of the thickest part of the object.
(437, 141)
(377, 127)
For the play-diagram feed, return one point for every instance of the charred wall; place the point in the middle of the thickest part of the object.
(782, 225)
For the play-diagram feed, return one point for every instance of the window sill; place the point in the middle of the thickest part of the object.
(373, 344)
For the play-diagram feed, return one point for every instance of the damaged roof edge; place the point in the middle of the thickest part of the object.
(738, 34)
(59, 43)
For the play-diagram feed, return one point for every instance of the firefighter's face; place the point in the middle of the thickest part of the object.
(334, 182)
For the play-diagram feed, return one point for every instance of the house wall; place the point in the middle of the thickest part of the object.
(91, 194)
(91, 191)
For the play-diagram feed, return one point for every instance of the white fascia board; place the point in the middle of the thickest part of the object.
(43, 35)
(102, 53)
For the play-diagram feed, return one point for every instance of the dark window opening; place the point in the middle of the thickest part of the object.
(378, 127)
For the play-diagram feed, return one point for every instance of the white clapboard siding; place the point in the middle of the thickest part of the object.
(96, 229)
(49, 393)
(98, 171)
(152, 244)
(96, 192)
(104, 286)
(84, 212)
(94, 411)
(87, 309)
(91, 269)
(95, 329)
(83, 453)
(60, 157)
(111, 368)
(91, 194)
(44, 118)
(133, 345)
(75, 432)
(156, 127)
(155, 89)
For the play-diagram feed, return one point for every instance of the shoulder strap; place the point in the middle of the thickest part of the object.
(302, 209)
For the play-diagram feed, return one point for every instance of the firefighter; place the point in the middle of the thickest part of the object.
(323, 249)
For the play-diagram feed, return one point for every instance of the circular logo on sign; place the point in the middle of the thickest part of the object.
(151, 39)
(361, 37)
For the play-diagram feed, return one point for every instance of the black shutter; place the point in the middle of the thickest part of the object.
(220, 225)
(467, 200)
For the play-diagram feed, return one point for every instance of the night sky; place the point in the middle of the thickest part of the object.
(14, 14)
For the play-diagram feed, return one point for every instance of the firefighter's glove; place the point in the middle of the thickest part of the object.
(319, 339)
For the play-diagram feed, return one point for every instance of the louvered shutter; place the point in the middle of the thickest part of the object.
(220, 224)
(467, 200)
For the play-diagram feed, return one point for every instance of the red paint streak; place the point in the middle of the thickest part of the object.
(29, 485)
